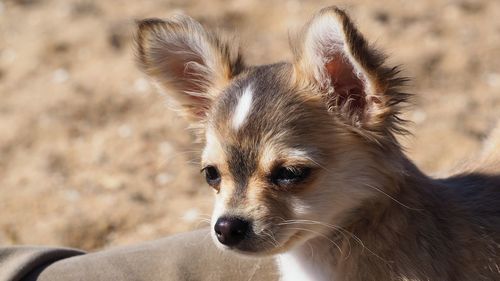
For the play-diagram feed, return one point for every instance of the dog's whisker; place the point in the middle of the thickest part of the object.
(319, 234)
(392, 198)
(339, 228)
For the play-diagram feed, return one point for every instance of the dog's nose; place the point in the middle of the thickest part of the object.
(231, 230)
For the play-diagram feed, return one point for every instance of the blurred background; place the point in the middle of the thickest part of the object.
(91, 157)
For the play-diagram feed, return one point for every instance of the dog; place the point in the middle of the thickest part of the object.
(304, 160)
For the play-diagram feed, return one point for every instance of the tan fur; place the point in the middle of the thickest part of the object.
(364, 211)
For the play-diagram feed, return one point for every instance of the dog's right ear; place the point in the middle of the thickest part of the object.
(189, 63)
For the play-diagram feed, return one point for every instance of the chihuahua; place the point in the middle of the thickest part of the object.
(304, 160)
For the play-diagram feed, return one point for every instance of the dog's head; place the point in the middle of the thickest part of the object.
(289, 147)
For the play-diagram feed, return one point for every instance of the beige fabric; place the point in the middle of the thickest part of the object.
(189, 256)
(18, 262)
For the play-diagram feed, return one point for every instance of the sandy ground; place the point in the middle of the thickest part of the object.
(90, 156)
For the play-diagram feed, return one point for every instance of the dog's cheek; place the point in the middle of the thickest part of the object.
(310, 205)
(300, 208)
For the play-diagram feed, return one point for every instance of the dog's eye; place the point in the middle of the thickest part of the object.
(212, 175)
(283, 176)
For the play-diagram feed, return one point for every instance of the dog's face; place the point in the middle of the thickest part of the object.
(265, 160)
(289, 147)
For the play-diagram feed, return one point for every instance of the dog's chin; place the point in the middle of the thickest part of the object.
(247, 248)
(256, 248)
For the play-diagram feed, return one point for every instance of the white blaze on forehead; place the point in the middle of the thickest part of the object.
(242, 110)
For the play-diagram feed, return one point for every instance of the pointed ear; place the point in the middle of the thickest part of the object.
(187, 62)
(335, 58)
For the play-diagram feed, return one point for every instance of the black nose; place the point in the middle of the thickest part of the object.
(231, 230)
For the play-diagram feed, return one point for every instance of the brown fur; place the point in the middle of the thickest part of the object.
(365, 211)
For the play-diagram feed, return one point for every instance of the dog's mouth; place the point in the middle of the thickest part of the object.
(264, 243)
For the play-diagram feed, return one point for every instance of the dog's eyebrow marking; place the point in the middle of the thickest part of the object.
(243, 108)
(212, 146)
(298, 153)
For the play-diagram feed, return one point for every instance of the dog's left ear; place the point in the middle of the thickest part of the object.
(335, 58)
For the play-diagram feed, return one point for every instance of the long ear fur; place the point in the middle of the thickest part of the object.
(334, 57)
(189, 63)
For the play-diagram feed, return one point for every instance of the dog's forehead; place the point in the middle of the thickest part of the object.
(257, 102)
(260, 112)
(254, 113)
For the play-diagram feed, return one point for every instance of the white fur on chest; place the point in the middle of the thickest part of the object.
(302, 264)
